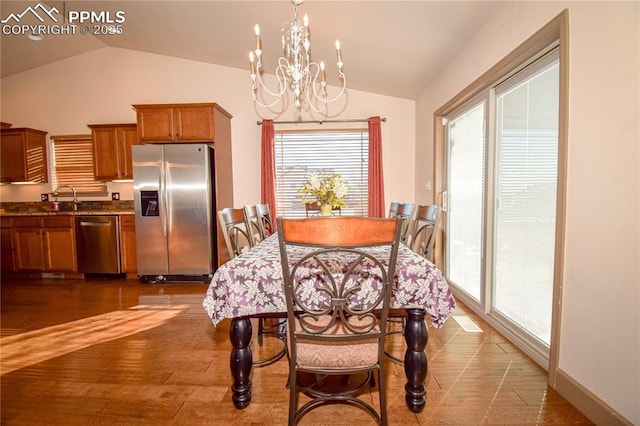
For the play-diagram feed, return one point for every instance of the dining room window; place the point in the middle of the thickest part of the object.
(73, 165)
(299, 153)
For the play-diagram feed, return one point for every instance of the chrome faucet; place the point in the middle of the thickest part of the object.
(73, 190)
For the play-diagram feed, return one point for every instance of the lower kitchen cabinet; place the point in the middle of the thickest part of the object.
(128, 261)
(44, 243)
(6, 245)
(59, 244)
(27, 240)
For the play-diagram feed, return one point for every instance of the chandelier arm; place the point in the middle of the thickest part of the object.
(335, 98)
(322, 97)
(257, 101)
(282, 83)
(282, 80)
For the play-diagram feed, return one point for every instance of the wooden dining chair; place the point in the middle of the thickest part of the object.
(405, 213)
(264, 219)
(252, 224)
(393, 209)
(423, 237)
(338, 296)
(235, 229)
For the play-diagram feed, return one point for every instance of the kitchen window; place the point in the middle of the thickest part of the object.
(73, 165)
(335, 151)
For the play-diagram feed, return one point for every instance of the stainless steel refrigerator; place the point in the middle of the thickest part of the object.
(174, 204)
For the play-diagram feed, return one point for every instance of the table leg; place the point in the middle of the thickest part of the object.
(415, 359)
(241, 361)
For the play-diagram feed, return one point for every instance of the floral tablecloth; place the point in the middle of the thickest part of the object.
(252, 284)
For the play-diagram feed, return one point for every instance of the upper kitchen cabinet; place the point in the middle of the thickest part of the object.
(23, 155)
(201, 122)
(112, 150)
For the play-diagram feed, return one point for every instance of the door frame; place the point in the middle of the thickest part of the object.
(556, 31)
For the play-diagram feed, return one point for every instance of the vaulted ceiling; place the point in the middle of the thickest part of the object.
(389, 47)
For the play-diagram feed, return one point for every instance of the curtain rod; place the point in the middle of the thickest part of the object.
(356, 120)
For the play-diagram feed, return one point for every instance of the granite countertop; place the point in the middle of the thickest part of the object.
(66, 208)
(66, 213)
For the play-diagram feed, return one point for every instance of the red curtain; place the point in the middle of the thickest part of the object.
(376, 181)
(268, 178)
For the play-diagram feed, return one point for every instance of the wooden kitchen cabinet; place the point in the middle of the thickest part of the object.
(59, 243)
(44, 243)
(6, 244)
(180, 122)
(23, 155)
(112, 150)
(28, 243)
(128, 260)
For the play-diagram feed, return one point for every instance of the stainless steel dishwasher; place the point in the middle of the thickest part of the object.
(98, 244)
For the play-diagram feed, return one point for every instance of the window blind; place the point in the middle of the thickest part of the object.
(73, 165)
(298, 153)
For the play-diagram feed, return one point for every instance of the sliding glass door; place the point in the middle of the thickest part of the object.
(500, 200)
(464, 199)
(526, 142)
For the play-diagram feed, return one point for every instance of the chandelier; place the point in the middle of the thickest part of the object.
(295, 70)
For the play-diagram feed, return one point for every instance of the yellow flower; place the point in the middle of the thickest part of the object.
(325, 189)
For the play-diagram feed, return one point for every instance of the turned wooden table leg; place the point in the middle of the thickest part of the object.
(241, 361)
(415, 359)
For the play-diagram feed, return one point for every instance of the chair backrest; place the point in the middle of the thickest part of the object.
(425, 227)
(266, 223)
(234, 229)
(393, 209)
(405, 213)
(252, 224)
(338, 269)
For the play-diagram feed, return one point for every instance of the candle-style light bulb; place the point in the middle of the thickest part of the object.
(322, 74)
(256, 29)
(339, 53)
(253, 65)
(305, 20)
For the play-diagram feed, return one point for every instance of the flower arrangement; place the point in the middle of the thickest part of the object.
(324, 189)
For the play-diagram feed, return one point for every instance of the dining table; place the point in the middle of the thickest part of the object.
(251, 285)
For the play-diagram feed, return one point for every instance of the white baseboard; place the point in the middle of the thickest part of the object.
(591, 406)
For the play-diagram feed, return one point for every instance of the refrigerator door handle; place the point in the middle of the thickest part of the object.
(168, 203)
(163, 198)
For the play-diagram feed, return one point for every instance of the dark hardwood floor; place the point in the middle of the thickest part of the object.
(76, 352)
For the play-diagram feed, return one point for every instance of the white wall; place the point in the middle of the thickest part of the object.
(600, 329)
(100, 87)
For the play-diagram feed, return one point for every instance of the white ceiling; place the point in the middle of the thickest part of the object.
(389, 47)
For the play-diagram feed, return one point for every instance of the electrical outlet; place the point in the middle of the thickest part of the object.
(44, 197)
(115, 196)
